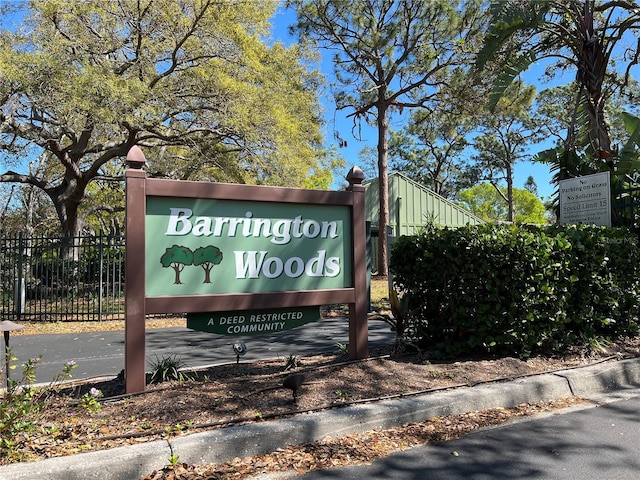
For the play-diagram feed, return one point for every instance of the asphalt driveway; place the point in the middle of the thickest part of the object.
(102, 353)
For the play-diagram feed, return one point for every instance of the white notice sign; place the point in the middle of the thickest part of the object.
(586, 200)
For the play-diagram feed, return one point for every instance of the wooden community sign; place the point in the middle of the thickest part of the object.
(240, 259)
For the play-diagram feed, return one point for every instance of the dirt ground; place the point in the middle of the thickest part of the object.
(253, 392)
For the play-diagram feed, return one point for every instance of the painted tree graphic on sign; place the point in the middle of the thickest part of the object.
(177, 257)
(207, 257)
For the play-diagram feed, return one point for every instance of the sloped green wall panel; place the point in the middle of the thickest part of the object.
(412, 205)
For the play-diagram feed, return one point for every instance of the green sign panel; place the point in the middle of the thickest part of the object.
(206, 246)
(252, 322)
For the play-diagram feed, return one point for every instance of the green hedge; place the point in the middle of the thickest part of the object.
(518, 290)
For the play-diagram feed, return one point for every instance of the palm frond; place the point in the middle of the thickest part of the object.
(548, 156)
(632, 124)
(508, 18)
(584, 131)
(628, 161)
(508, 74)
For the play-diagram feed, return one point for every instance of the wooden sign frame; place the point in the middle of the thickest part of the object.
(138, 304)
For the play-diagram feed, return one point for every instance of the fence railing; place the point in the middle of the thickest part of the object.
(626, 208)
(62, 279)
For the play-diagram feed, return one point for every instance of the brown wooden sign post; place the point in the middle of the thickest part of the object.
(289, 221)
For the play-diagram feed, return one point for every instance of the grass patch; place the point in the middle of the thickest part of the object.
(34, 328)
(379, 293)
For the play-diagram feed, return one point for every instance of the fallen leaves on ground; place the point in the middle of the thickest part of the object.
(356, 449)
(249, 392)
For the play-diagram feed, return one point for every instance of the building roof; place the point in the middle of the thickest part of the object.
(412, 206)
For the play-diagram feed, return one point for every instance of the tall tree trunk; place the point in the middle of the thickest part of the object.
(383, 189)
(512, 213)
(71, 229)
(29, 197)
(5, 208)
(592, 66)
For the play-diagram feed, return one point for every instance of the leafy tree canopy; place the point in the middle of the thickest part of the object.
(193, 81)
(389, 55)
(485, 202)
(432, 149)
(597, 39)
(503, 139)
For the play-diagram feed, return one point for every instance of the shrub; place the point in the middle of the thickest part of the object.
(21, 403)
(509, 289)
(89, 401)
(168, 368)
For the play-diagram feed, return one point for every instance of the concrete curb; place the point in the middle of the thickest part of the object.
(225, 444)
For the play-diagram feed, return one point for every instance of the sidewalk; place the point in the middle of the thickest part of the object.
(595, 383)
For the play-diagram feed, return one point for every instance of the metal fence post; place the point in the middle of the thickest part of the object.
(19, 287)
(100, 269)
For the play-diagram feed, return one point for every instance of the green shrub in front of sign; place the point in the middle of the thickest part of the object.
(518, 290)
(168, 368)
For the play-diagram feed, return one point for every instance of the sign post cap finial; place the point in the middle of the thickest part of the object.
(355, 176)
(135, 157)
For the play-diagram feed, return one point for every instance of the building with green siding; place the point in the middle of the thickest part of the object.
(411, 207)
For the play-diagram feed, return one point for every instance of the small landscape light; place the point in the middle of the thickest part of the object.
(7, 326)
(240, 349)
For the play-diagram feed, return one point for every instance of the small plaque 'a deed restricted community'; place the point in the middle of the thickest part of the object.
(254, 322)
(586, 199)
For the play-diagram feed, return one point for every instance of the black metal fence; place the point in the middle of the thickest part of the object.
(626, 208)
(62, 279)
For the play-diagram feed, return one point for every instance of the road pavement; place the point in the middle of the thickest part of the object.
(596, 443)
(102, 353)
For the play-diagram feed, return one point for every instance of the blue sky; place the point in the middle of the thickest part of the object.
(338, 119)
